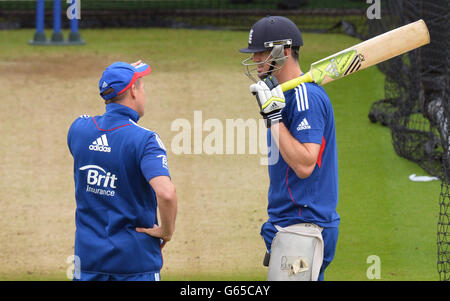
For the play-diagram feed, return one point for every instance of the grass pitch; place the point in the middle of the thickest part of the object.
(222, 198)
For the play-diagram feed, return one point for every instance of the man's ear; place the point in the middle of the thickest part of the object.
(133, 90)
(287, 51)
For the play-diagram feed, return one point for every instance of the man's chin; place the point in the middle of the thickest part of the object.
(262, 76)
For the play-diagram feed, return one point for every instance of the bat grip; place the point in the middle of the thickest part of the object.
(291, 84)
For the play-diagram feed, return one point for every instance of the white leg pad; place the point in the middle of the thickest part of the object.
(296, 253)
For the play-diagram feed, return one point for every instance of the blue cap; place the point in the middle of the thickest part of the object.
(120, 76)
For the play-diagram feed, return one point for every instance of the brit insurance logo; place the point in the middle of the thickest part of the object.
(100, 144)
(99, 181)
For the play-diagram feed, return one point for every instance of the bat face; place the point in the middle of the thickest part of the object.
(337, 66)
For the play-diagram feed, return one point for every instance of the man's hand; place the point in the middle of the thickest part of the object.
(157, 232)
(270, 99)
(167, 204)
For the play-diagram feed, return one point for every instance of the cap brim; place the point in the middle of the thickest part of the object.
(252, 50)
(142, 70)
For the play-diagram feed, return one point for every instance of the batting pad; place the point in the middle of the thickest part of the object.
(296, 253)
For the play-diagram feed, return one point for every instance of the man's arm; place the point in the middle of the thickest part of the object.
(167, 203)
(301, 157)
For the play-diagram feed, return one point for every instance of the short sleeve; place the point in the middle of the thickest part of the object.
(308, 114)
(154, 158)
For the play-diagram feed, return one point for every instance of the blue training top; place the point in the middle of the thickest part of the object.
(114, 159)
(308, 115)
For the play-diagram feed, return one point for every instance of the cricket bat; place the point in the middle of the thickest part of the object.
(363, 55)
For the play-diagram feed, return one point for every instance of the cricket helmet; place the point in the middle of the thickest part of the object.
(271, 33)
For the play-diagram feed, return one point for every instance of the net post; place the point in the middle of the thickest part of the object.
(57, 36)
(39, 36)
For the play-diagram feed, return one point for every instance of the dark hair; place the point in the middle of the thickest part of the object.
(295, 52)
(117, 98)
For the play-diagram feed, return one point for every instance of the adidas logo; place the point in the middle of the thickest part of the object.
(304, 125)
(100, 145)
(104, 85)
(273, 106)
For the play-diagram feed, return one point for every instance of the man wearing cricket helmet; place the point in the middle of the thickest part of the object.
(302, 230)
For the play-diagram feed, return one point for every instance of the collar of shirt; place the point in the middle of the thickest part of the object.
(115, 109)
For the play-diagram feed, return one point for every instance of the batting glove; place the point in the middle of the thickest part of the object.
(270, 99)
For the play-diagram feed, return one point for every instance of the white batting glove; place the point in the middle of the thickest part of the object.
(270, 99)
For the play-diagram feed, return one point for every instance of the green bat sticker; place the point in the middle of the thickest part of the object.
(336, 66)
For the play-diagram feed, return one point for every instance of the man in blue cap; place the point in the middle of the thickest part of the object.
(121, 179)
(302, 230)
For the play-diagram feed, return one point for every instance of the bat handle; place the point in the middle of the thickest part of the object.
(291, 84)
